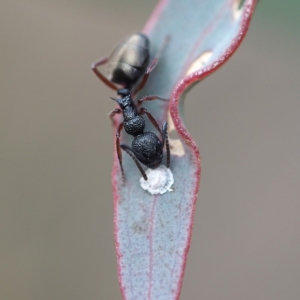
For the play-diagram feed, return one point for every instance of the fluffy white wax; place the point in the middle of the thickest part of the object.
(159, 180)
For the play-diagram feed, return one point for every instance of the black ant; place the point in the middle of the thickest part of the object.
(127, 65)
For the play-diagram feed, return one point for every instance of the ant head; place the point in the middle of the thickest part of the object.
(123, 92)
(126, 99)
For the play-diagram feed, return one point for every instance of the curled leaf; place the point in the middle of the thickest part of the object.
(153, 232)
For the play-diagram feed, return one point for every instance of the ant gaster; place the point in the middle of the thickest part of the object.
(128, 65)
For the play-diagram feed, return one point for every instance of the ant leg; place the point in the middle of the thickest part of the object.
(119, 152)
(113, 113)
(150, 98)
(118, 133)
(130, 153)
(100, 75)
(150, 117)
(153, 64)
(166, 138)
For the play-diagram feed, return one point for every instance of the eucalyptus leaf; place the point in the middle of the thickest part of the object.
(153, 232)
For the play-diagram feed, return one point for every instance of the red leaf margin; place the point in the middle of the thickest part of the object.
(177, 95)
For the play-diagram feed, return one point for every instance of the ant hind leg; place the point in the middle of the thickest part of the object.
(166, 138)
(118, 133)
(131, 154)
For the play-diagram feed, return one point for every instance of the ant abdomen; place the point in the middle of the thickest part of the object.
(150, 149)
(129, 60)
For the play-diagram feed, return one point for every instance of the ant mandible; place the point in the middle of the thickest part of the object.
(127, 65)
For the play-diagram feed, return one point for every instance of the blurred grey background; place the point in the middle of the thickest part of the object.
(56, 218)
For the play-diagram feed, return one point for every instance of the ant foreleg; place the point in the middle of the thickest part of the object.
(150, 98)
(100, 75)
(131, 154)
(113, 113)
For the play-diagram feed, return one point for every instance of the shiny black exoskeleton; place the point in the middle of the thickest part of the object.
(146, 147)
(128, 62)
(128, 66)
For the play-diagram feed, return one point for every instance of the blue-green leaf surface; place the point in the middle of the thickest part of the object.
(153, 233)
